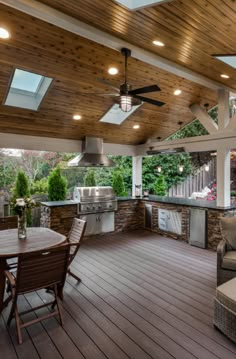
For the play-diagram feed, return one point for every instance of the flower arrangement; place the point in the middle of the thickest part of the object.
(21, 205)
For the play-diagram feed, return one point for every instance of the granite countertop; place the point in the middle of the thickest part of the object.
(180, 201)
(59, 203)
(171, 200)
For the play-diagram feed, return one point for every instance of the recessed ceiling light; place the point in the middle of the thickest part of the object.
(76, 117)
(4, 34)
(136, 127)
(224, 76)
(158, 43)
(113, 71)
(177, 92)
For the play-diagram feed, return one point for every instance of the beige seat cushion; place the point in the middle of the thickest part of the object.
(229, 260)
(228, 231)
(226, 294)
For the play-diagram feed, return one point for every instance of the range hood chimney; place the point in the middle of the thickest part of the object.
(92, 155)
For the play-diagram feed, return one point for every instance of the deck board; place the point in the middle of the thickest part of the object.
(142, 296)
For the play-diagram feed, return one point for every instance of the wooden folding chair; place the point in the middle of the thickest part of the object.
(8, 222)
(38, 270)
(74, 238)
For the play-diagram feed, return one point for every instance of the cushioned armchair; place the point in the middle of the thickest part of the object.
(226, 251)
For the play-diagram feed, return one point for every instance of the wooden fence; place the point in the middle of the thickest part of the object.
(195, 182)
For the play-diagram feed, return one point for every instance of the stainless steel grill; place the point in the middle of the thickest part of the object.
(95, 199)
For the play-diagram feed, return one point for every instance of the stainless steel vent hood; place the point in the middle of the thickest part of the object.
(92, 155)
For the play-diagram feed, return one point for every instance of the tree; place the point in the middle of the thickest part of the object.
(90, 180)
(56, 186)
(21, 188)
(160, 186)
(118, 184)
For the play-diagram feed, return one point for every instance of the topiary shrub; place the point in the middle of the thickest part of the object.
(90, 179)
(118, 184)
(160, 186)
(21, 188)
(56, 186)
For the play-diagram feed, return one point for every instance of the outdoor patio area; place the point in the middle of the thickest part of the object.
(141, 296)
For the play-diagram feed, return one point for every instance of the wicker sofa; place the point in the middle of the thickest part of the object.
(225, 309)
(226, 251)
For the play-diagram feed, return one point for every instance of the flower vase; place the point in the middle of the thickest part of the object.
(22, 225)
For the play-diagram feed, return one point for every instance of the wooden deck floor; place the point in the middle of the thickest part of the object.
(141, 296)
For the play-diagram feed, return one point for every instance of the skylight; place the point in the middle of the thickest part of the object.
(27, 89)
(116, 116)
(136, 4)
(229, 60)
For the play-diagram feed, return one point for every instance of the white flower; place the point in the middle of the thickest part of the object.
(20, 202)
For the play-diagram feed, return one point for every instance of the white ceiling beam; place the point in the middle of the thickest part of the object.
(204, 118)
(59, 19)
(226, 139)
(223, 109)
(37, 143)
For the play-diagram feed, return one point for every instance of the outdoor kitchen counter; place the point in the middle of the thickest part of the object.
(180, 202)
(131, 215)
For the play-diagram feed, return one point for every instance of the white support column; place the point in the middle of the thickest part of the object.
(223, 109)
(223, 177)
(136, 172)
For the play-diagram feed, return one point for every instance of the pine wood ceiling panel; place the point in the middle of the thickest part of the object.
(76, 64)
(193, 30)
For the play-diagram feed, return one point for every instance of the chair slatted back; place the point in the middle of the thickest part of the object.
(42, 269)
(75, 236)
(8, 222)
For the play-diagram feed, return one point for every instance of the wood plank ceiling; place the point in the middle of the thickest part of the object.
(190, 34)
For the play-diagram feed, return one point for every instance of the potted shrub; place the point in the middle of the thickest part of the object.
(56, 186)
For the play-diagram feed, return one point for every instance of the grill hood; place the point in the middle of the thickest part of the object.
(92, 155)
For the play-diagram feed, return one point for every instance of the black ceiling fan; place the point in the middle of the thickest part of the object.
(125, 96)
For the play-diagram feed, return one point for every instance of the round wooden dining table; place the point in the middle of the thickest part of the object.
(38, 238)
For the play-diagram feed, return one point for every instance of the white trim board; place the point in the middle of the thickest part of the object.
(24, 142)
(57, 18)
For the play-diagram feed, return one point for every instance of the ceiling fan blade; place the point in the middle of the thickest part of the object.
(108, 84)
(145, 89)
(150, 100)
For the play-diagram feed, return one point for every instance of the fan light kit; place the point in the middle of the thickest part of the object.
(158, 43)
(113, 71)
(177, 92)
(4, 34)
(224, 76)
(76, 117)
(126, 103)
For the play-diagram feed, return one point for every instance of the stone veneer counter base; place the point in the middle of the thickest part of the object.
(131, 215)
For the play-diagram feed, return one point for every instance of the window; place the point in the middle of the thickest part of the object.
(135, 4)
(116, 116)
(27, 89)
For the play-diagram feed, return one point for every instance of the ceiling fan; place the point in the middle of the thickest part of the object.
(125, 96)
